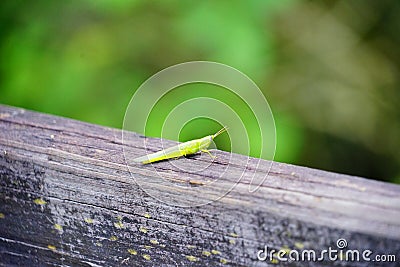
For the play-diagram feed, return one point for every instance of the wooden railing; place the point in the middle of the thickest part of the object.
(67, 198)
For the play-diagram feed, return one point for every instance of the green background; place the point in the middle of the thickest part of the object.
(329, 69)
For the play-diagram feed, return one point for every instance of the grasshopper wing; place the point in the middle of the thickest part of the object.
(168, 153)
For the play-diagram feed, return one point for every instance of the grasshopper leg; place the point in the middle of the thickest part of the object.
(209, 153)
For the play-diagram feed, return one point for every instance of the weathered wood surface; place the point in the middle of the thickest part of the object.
(68, 199)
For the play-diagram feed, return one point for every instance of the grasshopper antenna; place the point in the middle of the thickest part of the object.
(224, 129)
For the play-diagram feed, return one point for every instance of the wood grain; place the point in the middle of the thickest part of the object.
(68, 198)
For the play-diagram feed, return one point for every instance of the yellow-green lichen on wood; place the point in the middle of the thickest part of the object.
(40, 201)
(206, 253)
(119, 225)
(146, 257)
(58, 227)
(154, 241)
(215, 252)
(88, 220)
(223, 261)
(191, 258)
(132, 251)
(299, 245)
(233, 234)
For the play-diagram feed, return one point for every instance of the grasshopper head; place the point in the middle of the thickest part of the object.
(205, 142)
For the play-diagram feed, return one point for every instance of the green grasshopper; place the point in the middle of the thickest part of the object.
(183, 149)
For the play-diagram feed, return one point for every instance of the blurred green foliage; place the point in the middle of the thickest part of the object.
(330, 70)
